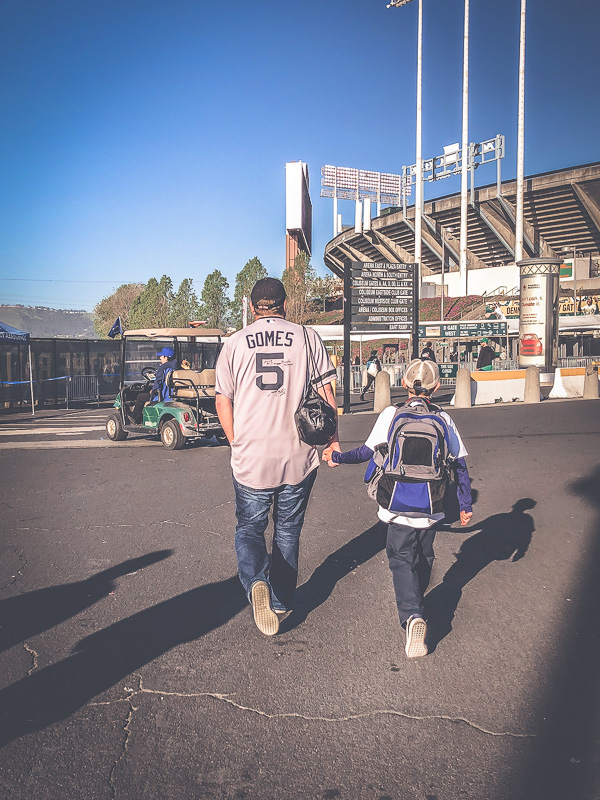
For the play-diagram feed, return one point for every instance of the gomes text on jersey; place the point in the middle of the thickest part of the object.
(274, 338)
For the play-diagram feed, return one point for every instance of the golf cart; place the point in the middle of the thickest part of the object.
(190, 413)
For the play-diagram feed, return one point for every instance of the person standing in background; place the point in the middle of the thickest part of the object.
(428, 352)
(486, 356)
(373, 368)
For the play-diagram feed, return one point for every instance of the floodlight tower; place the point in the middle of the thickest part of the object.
(520, 140)
(418, 154)
(465, 156)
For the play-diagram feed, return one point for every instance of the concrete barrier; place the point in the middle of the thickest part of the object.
(532, 384)
(568, 382)
(503, 386)
(590, 382)
(462, 394)
(383, 392)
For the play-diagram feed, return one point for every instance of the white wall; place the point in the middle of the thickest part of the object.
(479, 280)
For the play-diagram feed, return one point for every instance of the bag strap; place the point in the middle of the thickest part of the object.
(311, 361)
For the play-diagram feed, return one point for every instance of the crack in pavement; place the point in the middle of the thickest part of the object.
(78, 528)
(194, 513)
(127, 729)
(226, 698)
(19, 573)
(34, 658)
(128, 525)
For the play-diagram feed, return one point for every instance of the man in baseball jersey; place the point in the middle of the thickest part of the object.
(261, 378)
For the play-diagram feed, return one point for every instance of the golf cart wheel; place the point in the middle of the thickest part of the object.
(171, 435)
(114, 428)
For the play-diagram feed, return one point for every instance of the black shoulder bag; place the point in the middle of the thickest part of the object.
(315, 419)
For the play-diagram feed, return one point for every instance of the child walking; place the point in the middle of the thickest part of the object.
(412, 515)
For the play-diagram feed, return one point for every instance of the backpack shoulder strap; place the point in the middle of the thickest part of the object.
(435, 409)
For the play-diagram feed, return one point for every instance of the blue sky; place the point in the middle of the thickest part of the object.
(142, 137)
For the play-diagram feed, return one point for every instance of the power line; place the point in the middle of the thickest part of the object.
(64, 280)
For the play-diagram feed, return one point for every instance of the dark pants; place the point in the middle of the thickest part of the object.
(410, 556)
(370, 381)
(252, 508)
(138, 408)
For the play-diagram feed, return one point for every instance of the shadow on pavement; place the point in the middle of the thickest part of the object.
(564, 761)
(501, 537)
(28, 614)
(108, 656)
(336, 566)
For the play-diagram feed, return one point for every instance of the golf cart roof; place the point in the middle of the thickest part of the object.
(176, 333)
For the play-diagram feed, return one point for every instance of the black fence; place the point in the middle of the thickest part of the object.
(53, 361)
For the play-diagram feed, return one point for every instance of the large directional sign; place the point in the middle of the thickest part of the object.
(382, 297)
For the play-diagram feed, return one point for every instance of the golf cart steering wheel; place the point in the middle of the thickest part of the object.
(149, 374)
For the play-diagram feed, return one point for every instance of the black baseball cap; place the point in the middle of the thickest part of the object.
(269, 289)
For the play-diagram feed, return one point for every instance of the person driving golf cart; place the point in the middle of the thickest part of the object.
(160, 389)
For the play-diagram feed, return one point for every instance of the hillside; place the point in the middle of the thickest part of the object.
(43, 322)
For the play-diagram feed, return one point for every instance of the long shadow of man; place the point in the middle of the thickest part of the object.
(106, 657)
(28, 614)
(501, 537)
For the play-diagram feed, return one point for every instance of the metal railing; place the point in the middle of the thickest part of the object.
(359, 376)
(579, 361)
(82, 387)
(396, 371)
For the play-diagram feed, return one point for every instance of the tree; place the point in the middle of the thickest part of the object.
(215, 303)
(322, 288)
(184, 306)
(118, 304)
(151, 308)
(296, 280)
(252, 271)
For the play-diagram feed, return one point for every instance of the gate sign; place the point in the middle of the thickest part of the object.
(462, 330)
(448, 370)
(382, 297)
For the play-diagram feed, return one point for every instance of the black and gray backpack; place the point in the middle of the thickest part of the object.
(411, 471)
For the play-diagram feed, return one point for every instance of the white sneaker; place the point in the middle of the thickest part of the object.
(265, 618)
(416, 631)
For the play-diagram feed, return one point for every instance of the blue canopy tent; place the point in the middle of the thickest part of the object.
(10, 334)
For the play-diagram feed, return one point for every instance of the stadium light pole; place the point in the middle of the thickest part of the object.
(464, 174)
(418, 153)
(520, 141)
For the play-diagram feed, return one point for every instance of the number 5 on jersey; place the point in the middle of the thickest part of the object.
(263, 369)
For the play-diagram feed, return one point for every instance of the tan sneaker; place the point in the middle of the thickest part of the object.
(416, 631)
(265, 618)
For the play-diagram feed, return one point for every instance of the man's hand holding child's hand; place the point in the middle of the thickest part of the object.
(329, 450)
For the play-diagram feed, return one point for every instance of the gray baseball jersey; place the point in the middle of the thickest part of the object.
(262, 369)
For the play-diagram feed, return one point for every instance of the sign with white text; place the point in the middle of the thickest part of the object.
(382, 297)
(462, 330)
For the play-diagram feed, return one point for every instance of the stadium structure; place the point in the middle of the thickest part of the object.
(562, 216)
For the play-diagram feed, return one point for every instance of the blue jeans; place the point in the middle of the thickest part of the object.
(252, 506)
(410, 556)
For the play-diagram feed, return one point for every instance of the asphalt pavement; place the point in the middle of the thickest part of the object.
(131, 667)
